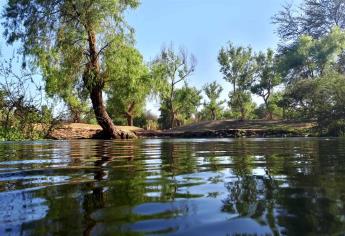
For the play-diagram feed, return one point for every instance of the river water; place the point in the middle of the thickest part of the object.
(290, 186)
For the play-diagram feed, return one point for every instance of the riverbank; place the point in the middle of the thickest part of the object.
(83, 131)
(206, 129)
(236, 129)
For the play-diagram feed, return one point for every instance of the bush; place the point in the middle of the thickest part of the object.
(336, 128)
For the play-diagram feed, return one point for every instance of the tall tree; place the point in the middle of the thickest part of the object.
(309, 58)
(213, 91)
(266, 78)
(238, 67)
(171, 68)
(68, 40)
(129, 85)
(313, 17)
(185, 104)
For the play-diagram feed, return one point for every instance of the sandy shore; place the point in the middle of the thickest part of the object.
(223, 128)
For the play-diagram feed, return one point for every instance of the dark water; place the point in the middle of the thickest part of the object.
(173, 187)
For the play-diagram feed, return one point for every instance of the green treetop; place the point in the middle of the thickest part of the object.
(313, 17)
(238, 67)
(129, 85)
(170, 69)
(185, 103)
(69, 40)
(309, 58)
(213, 106)
(266, 78)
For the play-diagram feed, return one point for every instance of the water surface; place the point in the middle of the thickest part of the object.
(291, 186)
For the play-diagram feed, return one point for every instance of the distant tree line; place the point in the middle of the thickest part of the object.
(86, 55)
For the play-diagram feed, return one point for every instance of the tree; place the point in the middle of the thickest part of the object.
(185, 104)
(73, 95)
(321, 100)
(21, 107)
(313, 17)
(172, 68)
(267, 77)
(69, 41)
(130, 83)
(309, 58)
(213, 91)
(241, 104)
(238, 67)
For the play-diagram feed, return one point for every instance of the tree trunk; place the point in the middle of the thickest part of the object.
(129, 120)
(242, 114)
(76, 116)
(129, 114)
(103, 119)
(94, 82)
(171, 106)
(213, 114)
(269, 114)
(172, 120)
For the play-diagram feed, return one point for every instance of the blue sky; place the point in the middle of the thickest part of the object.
(203, 27)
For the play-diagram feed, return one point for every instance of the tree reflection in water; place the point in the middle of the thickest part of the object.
(177, 187)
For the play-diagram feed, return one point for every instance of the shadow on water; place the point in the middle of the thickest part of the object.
(173, 187)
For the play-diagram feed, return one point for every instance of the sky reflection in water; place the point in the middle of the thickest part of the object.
(173, 187)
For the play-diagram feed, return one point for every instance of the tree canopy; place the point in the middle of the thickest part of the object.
(238, 67)
(266, 77)
(69, 41)
(213, 106)
(129, 83)
(313, 17)
(171, 68)
(310, 58)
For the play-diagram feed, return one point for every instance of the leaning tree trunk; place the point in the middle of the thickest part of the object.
(103, 119)
(94, 82)
(129, 114)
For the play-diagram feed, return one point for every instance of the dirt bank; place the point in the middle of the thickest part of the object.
(235, 128)
(223, 128)
(82, 131)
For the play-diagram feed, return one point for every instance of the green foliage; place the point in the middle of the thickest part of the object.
(186, 101)
(315, 87)
(22, 114)
(241, 104)
(274, 107)
(185, 104)
(238, 67)
(169, 69)
(21, 120)
(46, 25)
(55, 36)
(70, 42)
(313, 17)
(309, 58)
(147, 121)
(213, 108)
(129, 83)
(321, 99)
(313, 65)
(336, 128)
(267, 78)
